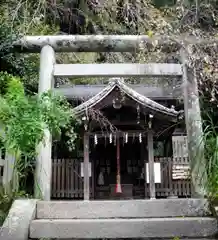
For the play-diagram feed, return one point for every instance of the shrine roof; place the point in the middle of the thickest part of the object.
(134, 95)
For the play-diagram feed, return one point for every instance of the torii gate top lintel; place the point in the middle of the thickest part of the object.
(102, 43)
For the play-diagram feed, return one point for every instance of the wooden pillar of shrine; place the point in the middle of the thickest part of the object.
(144, 152)
(86, 166)
(151, 164)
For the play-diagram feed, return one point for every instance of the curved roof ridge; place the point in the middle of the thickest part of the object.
(119, 82)
(96, 99)
(144, 100)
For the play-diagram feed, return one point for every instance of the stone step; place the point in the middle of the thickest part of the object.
(122, 209)
(144, 239)
(124, 228)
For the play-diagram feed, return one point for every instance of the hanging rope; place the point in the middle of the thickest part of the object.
(118, 184)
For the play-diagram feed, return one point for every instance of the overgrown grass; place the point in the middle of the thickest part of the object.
(211, 155)
(204, 161)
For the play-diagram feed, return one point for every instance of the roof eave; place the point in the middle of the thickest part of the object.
(144, 101)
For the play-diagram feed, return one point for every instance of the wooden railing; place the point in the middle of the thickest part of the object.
(67, 182)
(66, 179)
(175, 180)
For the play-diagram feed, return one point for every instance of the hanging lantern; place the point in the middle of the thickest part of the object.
(117, 104)
(117, 101)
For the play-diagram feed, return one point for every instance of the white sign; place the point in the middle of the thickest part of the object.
(157, 173)
(82, 169)
(180, 172)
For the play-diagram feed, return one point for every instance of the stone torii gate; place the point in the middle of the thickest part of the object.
(48, 45)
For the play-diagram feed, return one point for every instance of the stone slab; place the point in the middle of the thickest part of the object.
(117, 70)
(122, 209)
(16, 225)
(124, 228)
(145, 239)
(87, 91)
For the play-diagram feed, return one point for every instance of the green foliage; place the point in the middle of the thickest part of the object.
(210, 139)
(24, 118)
(163, 3)
(176, 238)
(17, 20)
(206, 167)
(4, 79)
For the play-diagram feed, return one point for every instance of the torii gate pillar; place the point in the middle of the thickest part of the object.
(44, 161)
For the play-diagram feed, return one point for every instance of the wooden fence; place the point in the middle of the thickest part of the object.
(175, 178)
(67, 181)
